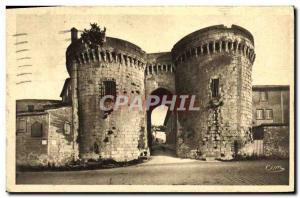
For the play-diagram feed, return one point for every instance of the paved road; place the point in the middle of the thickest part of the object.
(164, 168)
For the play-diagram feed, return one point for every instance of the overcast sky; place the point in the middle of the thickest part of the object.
(155, 30)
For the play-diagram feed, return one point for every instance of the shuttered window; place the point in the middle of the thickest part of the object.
(21, 126)
(269, 114)
(259, 114)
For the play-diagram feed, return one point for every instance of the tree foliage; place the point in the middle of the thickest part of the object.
(94, 36)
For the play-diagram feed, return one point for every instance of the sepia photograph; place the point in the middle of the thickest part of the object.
(150, 99)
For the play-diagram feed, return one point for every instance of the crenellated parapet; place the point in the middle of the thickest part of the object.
(214, 40)
(159, 63)
(107, 56)
(113, 51)
(159, 72)
(152, 69)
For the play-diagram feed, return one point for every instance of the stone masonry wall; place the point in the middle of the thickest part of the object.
(223, 123)
(30, 151)
(120, 134)
(159, 73)
(61, 145)
(276, 141)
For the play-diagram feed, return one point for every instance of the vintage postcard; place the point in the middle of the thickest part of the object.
(150, 99)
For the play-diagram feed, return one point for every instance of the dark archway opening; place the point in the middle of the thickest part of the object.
(160, 126)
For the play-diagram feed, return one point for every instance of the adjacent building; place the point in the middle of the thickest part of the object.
(44, 135)
(271, 110)
(270, 104)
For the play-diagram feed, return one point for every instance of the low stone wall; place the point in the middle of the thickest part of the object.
(276, 141)
(269, 140)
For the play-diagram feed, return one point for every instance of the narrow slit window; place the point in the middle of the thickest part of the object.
(215, 87)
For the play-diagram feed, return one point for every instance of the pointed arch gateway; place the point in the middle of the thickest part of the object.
(168, 120)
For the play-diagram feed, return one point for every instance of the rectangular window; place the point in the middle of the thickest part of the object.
(108, 87)
(21, 126)
(259, 114)
(269, 114)
(214, 87)
(263, 96)
(67, 128)
(30, 108)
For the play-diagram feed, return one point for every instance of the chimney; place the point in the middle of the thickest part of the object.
(74, 34)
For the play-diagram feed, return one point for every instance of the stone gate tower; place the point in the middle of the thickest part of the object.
(116, 67)
(215, 64)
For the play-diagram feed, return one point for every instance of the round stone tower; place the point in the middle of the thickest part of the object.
(114, 67)
(215, 64)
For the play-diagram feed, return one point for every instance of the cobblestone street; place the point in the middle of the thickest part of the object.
(164, 168)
